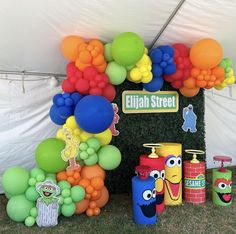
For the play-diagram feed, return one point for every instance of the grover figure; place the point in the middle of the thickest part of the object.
(190, 119)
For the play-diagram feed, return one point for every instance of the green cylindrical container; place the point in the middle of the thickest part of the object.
(221, 187)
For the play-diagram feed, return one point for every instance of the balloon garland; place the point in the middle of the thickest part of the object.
(76, 159)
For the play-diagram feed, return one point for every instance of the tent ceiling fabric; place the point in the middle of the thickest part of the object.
(31, 31)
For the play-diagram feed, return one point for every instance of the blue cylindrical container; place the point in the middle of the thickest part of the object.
(144, 197)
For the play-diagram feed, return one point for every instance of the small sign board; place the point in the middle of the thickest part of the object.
(139, 101)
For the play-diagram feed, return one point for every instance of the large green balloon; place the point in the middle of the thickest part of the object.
(77, 193)
(18, 208)
(68, 210)
(127, 48)
(116, 73)
(15, 180)
(109, 157)
(48, 155)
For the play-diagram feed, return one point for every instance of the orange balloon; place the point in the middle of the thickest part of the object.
(61, 176)
(69, 47)
(97, 183)
(81, 206)
(89, 212)
(206, 53)
(190, 83)
(201, 83)
(189, 92)
(92, 204)
(89, 172)
(69, 172)
(89, 189)
(96, 211)
(102, 201)
(84, 183)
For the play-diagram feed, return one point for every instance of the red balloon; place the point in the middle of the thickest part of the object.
(177, 84)
(109, 92)
(82, 86)
(70, 69)
(95, 91)
(90, 73)
(67, 86)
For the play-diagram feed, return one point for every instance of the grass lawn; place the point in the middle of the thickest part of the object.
(116, 217)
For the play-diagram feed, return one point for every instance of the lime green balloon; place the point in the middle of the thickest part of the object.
(32, 181)
(94, 143)
(30, 221)
(77, 193)
(48, 155)
(127, 48)
(15, 180)
(83, 146)
(61, 200)
(116, 73)
(107, 52)
(128, 68)
(83, 155)
(18, 208)
(34, 212)
(92, 160)
(36, 171)
(109, 157)
(31, 194)
(68, 210)
(40, 177)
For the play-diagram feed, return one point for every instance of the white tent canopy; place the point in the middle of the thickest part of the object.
(31, 32)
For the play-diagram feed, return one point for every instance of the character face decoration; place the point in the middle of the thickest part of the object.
(159, 177)
(223, 189)
(148, 207)
(173, 176)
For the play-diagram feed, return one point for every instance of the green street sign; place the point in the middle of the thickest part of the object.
(195, 183)
(146, 102)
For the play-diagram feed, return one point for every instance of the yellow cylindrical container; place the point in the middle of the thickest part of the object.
(172, 152)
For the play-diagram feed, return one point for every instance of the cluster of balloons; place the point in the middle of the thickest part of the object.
(20, 188)
(203, 67)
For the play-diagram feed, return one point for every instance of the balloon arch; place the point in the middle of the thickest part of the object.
(76, 159)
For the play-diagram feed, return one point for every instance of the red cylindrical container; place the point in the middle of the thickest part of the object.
(157, 166)
(194, 182)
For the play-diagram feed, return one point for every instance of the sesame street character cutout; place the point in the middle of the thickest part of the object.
(47, 204)
(222, 187)
(173, 172)
(115, 121)
(190, 119)
(144, 197)
(71, 150)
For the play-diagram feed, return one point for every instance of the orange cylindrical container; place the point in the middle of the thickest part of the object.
(157, 166)
(194, 182)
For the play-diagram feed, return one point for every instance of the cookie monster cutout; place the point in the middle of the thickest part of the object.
(190, 119)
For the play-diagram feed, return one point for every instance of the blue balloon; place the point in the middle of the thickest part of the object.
(156, 70)
(94, 114)
(155, 85)
(156, 55)
(55, 117)
(76, 97)
(170, 69)
(65, 111)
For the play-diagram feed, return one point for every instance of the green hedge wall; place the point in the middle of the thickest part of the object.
(136, 129)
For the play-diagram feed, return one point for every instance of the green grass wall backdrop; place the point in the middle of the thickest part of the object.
(136, 129)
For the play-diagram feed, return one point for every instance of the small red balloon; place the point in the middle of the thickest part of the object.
(90, 73)
(109, 92)
(67, 86)
(82, 86)
(95, 91)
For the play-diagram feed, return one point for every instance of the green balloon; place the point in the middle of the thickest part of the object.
(31, 194)
(64, 185)
(83, 146)
(48, 155)
(128, 68)
(116, 73)
(92, 160)
(51, 175)
(94, 143)
(127, 48)
(36, 171)
(61, 200)
(68, 210)
(67, 200)
(18, 208)
(34, 212)
(30, 221)
(107, 52)
(40, 177)
(32, 181)
(65, 192)
(109, 157)
(77, 193)
(83, 155)
(15, 180)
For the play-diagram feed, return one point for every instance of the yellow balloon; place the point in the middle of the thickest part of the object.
(59, 134)
(71, 123)
(104, 137)
(84, 136)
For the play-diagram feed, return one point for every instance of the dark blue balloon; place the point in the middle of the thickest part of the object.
(56, 97)
(170, 69)
(55, 117)
(156, 70)
(166, 49)
(155, 85)
(65, 111)
(76, 97)
(156, 55)
(94, 114)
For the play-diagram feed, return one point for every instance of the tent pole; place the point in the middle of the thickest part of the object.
(180, 4)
